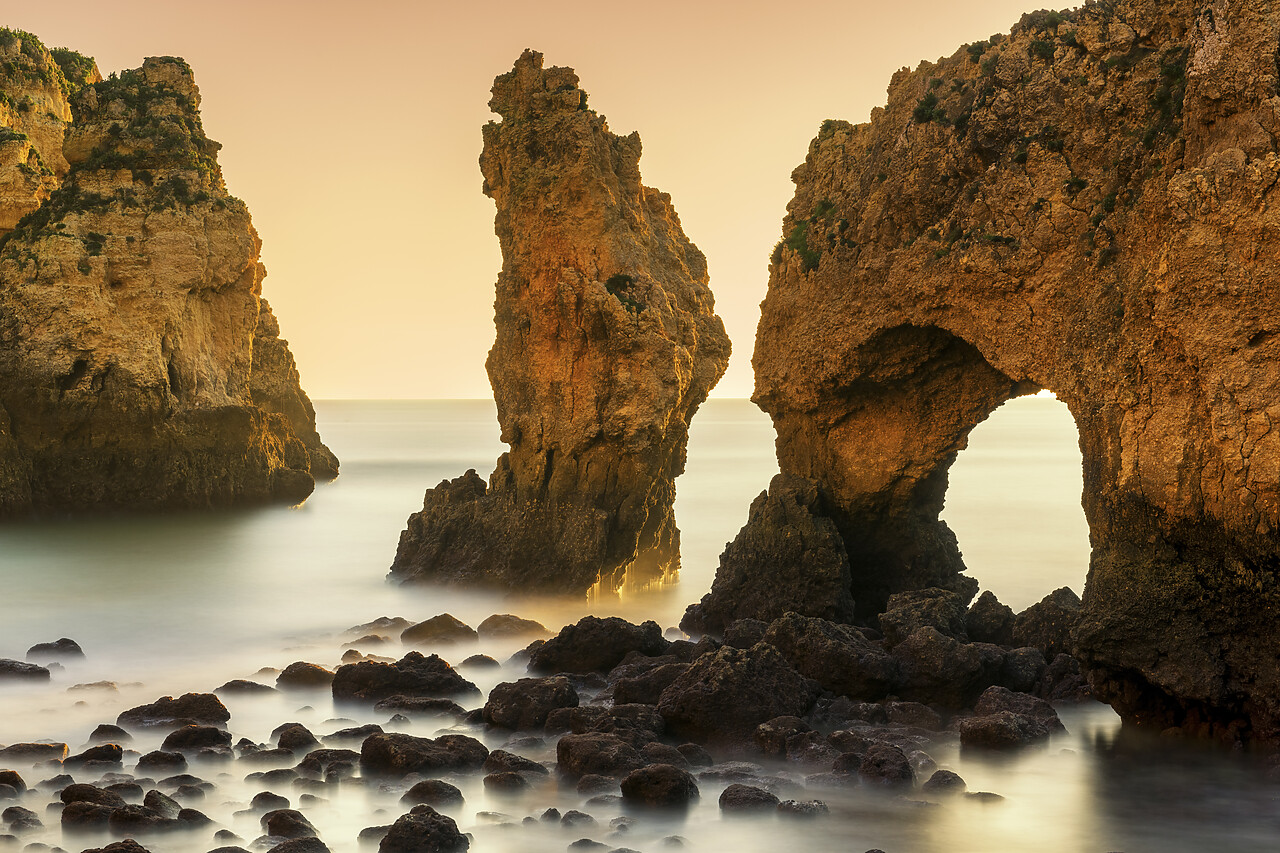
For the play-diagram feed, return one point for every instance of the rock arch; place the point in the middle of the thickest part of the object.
(1087, 205)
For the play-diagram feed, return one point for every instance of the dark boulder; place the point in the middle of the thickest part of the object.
(399, 754)
(296, 737)
(747, 799)
(996, 699)
(196, 737)
(80, 792)
(442, 629)
(660, 785)
(128, 845)
(318, 762)
(1048, 624)
(1023, 669)
(355, 733)
(287, 823)
(424, 830)
(307, 844)
(837, 657)
(413, 675)
(803, 808)
(162, 805)
(302, 675)
(18, 753)
(16, 670)
(420, 705)
(886, 766)
(989, 621)
(770, 737)
(724, 696)
(501, 761)
(943, 782)
(936, 608)
(432, 792)
(596, 645)
(85, 815)
(503, 626)
(103, 753)
(137, 820)
(505, 782)
(160, 761)
(189, 708)
(656, 752)
(597, 754)
(646, 688)
(744, 633)
(940, 670)
(1062, 681)
(13, 780)
(108, 733)
(63, 649)
(1001, 730)
(525, 704)
(483, 661)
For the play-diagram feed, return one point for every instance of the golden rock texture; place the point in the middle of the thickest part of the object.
(139, 367)
(1089, 205)
(607, 343)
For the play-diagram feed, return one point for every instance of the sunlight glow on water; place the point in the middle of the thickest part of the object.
(186, 602)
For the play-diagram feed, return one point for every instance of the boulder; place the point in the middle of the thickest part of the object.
(21, 753)
(502, 626)
(747, 799)
(996, 699)
(301, 674)
(646, 688)
(501, 761)
(989, 621)
(596, 754)
(886, 766)
(1047, 625)
(63, 649)
(723, 696)
(908, 611)
(400, 754)
(424, 830)
(526, 703)
(594, 644)
(443, 629)
(16, 670)
(943, 782)
(204, 708)
(660, 785)
(1001, 730)
(432, 792)
(413, 675)
(195, 737)
(287, 823)
(837, 657)
(939, 670)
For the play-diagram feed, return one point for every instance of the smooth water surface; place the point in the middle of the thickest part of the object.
(179, 603)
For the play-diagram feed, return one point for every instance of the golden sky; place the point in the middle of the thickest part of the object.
(352, 130)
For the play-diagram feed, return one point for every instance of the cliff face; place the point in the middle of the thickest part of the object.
(1088, 205)
(607, 342)
(138, 366)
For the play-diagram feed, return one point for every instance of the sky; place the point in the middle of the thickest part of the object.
(352, 131)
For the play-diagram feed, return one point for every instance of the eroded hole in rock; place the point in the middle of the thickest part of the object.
(1013, 502)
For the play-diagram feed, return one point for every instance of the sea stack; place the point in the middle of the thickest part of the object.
(607, 343)
(1088, 205)
(139, 366)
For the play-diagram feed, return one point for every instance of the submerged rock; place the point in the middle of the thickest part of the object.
(140, 369)
(607, 343)
(63, 649)
(660, 785)
(525, 704)
(400, 754)
(444, 628)
(424, 830)
(186, 709)
(413, 675)
(16, 670)
(594, 644)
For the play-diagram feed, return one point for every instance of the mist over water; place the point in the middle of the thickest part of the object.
(167, 605)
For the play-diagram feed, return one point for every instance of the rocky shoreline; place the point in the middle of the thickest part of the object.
(608, 716)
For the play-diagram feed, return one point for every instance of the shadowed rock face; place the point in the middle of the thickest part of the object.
(139, 367)
(607, 342)
(1089, 206)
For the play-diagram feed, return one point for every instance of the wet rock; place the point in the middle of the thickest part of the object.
(593, 783)
(203, 708)
(318, 762)
(837, 657)
(301, 674)
(296, 737)
(596, 645)
(384, 626)
(602, 754)
(420, 705)
(8, 792)
(128, 845)
(194, 737)
(989, 621)
(1062, 681)
(587, 844)
(308, 844)
(21, 753)
(575, 818)
(886, 766)
(655, 752)
(20, 819)
(695, 755)
(810, 748)
(398, 754)
(907, 612)
(788, 557)
(355, 733)
(413, 675)
(162, 762)
(1001, 730)
(500, 760)
(770, 737)
(1023, 670)
(268, 756)
(107, 733)
(912, 714)
(372, 834)
(86, 815)
(128, 790)
(13, 780)
(660, 785)
(444, 629)
(244, 687)
(646, 688)
(526, 703)
(943, 782)
(996, 699)
(481, 661)
(939, 670)
(503, 626)
(505, 782)
(1048, 625)
(133, 820)
(432, 792)
(105, 753)
(161, 805)
(424, 830)
(16, 670)
(63, 649)
(744, 633)
(803, 808)
(747, 799)
(231, 848)
(725, 695)
(287, 823)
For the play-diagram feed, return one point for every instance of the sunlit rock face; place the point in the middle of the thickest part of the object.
(1088, 205)
(607, 342)
(139, 367)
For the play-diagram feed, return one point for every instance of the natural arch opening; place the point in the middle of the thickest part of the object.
(1013, 501)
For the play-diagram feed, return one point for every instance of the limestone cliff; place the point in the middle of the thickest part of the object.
(139, 367)
(1087, 205)
(607, 342)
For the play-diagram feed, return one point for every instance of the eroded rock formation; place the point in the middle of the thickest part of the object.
(139, 367)
(607, 343)
(1087, 205)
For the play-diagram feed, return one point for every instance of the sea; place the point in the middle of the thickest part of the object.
(169, 604)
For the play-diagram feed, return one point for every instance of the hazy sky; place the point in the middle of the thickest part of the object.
(352, 130)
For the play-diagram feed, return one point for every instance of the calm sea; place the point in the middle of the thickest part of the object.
(179, 603)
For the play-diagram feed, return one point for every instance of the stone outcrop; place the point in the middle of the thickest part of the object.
(1087, 205)
(139, 366)
(607, 343)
